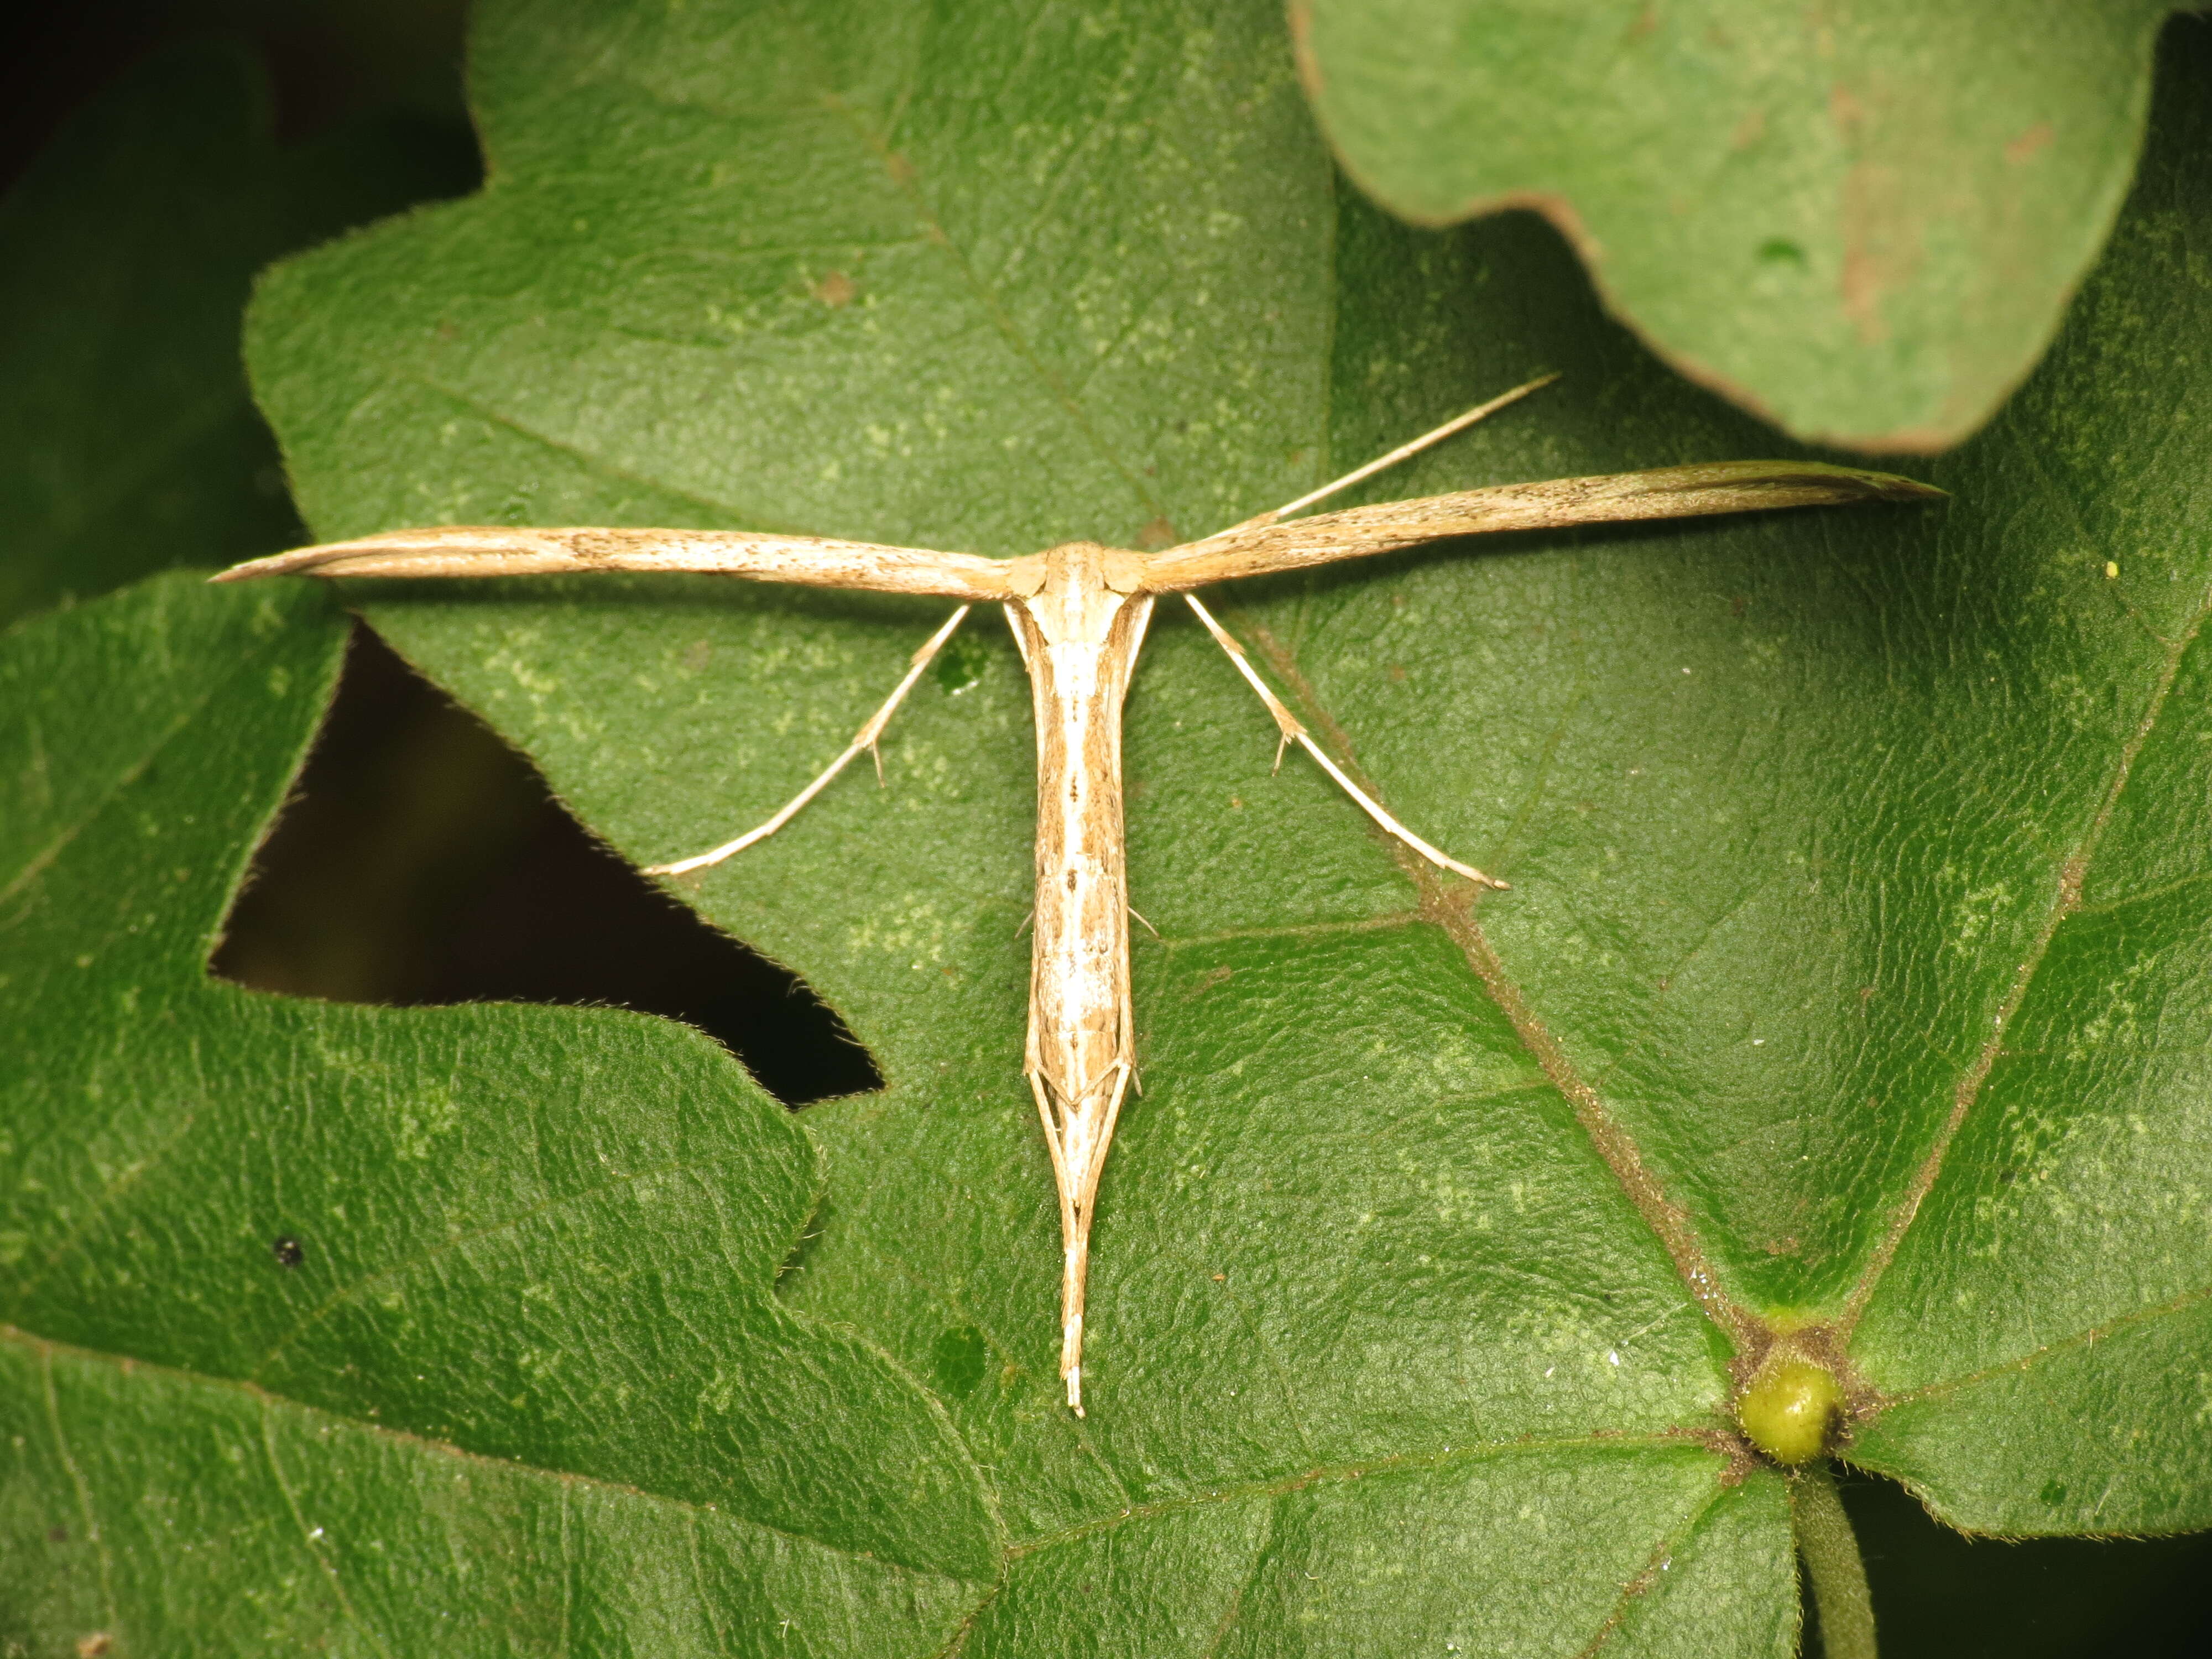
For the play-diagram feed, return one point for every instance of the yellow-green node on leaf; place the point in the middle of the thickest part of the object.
(1787, 1410)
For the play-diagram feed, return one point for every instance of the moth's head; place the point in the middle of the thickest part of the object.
(1078, 565)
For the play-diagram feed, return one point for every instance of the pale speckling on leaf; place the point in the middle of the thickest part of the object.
(1078, 613)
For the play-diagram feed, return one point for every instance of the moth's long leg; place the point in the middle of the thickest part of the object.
(864, 740)
(1294, 731)
(1404, 451)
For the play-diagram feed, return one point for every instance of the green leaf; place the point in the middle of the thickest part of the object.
(1864, 223)
(528, 1366)
(125, 256)
(1427, 1263)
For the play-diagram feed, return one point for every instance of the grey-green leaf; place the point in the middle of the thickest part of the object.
(1864, 223)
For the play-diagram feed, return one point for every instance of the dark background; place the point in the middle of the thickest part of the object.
(423, 861)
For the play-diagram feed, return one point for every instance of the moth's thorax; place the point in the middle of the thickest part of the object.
(1075, 590)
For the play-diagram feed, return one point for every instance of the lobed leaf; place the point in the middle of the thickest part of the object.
(1864, 222)
(528, 1333)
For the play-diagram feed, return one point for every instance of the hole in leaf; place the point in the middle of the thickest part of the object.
(421, 862)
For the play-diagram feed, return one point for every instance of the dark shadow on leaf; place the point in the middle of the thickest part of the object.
(421, 862)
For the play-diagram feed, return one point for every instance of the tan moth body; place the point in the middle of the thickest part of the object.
(1078, 614)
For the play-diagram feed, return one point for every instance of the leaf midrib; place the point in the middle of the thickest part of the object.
(47, 1349)
(1454, 911)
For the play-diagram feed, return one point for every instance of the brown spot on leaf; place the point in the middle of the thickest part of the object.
(2024, 148)
(1749, 130)
(1864, 273)
(1397, 673)
(835, 290)
(1846, 112)
(1156, 535)
(1646, 24)
(94, 1644)
(1301, 50)
(1883, 208)
(901, 169)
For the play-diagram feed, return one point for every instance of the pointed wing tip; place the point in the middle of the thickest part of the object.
(1893, 487)
(277, 564)
(1846, 484)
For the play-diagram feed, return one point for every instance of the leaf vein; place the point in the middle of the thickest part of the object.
(1059, 394)
(1636, 1589)
(386, 1434)
(1453, 911)
(77, 1483)
(1235, 1609)
(2086, 1338)
(2066, 899)
(307, 1538)
(1332, 1474)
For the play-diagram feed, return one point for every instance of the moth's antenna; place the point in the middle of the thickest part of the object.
(1403, 452)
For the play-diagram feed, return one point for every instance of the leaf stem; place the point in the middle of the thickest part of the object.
(1831, 1552)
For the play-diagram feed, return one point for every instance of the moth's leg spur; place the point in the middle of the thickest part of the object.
(864, 740)
(1294, 732)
